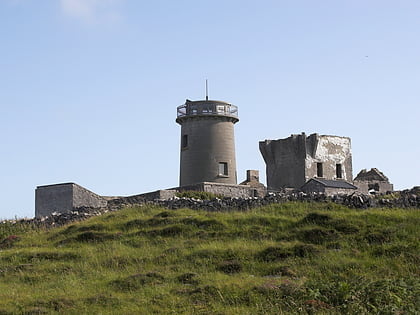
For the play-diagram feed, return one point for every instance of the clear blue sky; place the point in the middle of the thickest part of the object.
(89, 88)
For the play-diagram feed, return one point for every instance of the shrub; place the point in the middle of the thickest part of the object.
(316, 218)
(274, 253)
(170, 231)
(229, 266)
(345, 227)
(9, 241)
(318, 235)
(188, 278)
(378, 237)
(305, 250)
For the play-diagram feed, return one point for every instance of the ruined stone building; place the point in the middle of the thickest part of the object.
(373, 181)
(291, 162)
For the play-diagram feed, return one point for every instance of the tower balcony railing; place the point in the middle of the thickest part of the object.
(207, 108)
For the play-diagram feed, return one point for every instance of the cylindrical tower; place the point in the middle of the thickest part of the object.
(207, 142)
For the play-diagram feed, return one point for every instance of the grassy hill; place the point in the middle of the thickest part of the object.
(293, 258)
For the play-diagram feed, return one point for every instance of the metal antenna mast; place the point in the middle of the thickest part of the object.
(207, 91)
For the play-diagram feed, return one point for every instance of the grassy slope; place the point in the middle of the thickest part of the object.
(280, 259)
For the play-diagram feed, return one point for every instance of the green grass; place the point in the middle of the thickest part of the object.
(293, 258)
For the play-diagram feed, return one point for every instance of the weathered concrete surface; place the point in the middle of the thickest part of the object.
(63, 198)
(373, 181)
(207, 139)
(292, 161)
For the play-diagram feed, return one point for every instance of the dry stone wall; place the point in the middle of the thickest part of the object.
(405, 199)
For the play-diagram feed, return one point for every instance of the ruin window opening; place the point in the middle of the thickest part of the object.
(223, 169)
(184, 142)
(319, 170)
(338, 171)
(374, 187)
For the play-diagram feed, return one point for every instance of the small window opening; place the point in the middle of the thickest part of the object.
(338, 171)
(319, 171)
(374, 187)
(223, 169)
(184, 141)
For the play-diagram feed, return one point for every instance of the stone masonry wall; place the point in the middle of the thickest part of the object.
(83, 197)
(234, 191)
(51, 198)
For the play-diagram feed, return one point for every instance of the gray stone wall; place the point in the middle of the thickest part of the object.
(85, 198)
(373, 180)
(330, 191)
(406, 199)
(285, 162)
(159, 195)
(233, 191)
(52, 198)
(380, 187)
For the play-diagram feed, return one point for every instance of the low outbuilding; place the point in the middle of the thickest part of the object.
(328, 187)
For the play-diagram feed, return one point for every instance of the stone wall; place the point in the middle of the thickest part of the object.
(403, 199)
(51, 198)
(85, 198)
(234, 191)
(285, 162)
(379, 187)
(69, 196)
(373, 181)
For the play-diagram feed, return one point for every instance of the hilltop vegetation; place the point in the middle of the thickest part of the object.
(292, 258)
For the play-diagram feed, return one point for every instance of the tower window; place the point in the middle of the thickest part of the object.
(319, 171)
(184, 141)
(223, 169)
(338, 171)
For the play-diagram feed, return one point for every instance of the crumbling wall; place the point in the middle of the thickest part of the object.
(373, 181)
(285, 161)
(330, 151)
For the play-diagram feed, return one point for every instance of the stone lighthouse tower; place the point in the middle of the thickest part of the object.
(207, 142)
